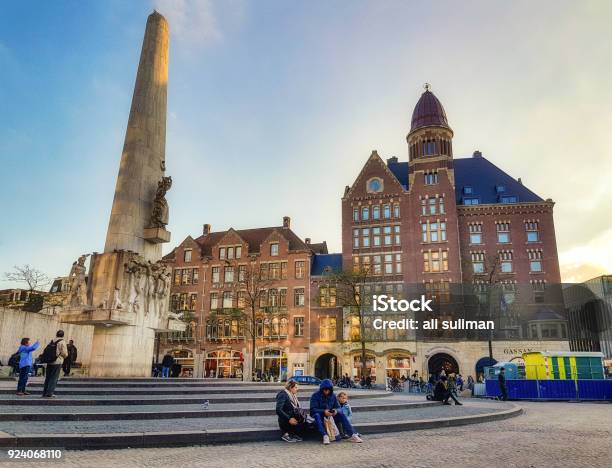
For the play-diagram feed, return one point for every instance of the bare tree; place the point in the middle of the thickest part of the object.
(35, 279)
(349, 293)
(251, 287)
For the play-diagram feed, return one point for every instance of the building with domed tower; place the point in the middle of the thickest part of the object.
(449, 228)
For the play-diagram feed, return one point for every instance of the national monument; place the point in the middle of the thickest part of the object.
(126, 293)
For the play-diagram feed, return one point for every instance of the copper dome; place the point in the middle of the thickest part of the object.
(428, 112)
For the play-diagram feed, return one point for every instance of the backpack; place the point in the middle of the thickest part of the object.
(49, 354)
(14, 359)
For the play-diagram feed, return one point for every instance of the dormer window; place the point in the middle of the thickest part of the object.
(471, 201)
(467, 190)
(500, 188)
(509, 199)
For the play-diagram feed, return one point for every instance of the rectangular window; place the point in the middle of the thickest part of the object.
(503, 232)
(274, 250)
(196, 274)
(187, 276)
(398, 263)
(283, 270)
(227, 300)
(471, 201)
(327, 296)
(263, 271)
(300, 267)
(539, 288)
(327, 328)
(376, 212)
(355, 214)
(441, 205)
(396, 234)
(431, 202)
(475, 233)
(282, 297)
(274, 271)
(388, 264)
(396, 210)
(215, 274)
(478, 262)
(193, 300)
(365, 237)
(298, 326)
(230, 253)
(386, 211)
(532, 228)
(214, 301)
(535, 260)
(377, 266)
(228, 276)
(238, 252)
(177, 277)
(431, 178)
(242, 273)
(505, 258)
(355, 238)
(365, 265)
(298, 297)
(388, 239)
(376, 236)
(242, 299)
(509, 199)
(187, 256)
(222, 253)
(365, 213)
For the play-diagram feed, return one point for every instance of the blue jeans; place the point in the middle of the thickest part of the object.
(24, 373)
(165, 372)
(339, 419)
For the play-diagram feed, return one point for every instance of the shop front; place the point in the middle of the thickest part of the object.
(370, 366)
(223, 363)
(271, 363)
(398, 365)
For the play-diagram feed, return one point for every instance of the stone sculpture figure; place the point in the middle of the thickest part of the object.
(77, 293)
(160, 212)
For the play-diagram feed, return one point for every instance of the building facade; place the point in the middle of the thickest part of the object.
(219, 278)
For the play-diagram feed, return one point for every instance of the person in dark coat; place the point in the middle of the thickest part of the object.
(442, 393)
(167, 362)
(71, 359)
(501, 378)
(291, 418)
(323, 403)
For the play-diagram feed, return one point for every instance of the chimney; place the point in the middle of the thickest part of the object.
(392, 160)
(206, 229)
(477, 154)
(286, 222)
(307, 240)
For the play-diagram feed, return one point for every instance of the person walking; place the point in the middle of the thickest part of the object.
(167, 363)
(71, 359)
(25, 364)
(53, 355)
(501, 378)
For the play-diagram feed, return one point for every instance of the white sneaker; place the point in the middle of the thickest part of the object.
(355, 438)
(325, 439)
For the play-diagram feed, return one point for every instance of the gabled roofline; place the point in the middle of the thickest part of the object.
(374, 156)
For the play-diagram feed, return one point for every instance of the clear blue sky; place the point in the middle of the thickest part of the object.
(274, 106)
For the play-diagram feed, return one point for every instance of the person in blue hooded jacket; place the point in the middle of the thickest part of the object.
(25, 364)
(323, 403)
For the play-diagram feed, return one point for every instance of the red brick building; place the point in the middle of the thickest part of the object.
(433, 224)
(209, 277)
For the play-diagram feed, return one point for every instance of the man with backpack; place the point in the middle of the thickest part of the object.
(53, 355)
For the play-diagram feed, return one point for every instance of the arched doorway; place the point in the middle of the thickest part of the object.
(440, 361)
(326, 367)
(482, 363)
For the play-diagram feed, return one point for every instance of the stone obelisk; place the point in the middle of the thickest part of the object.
(143, 158)
(127, 291)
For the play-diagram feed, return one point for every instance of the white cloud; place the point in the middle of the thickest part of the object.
(586, 261)
(192, 22)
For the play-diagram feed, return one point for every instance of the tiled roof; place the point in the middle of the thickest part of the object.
(253, 237)
(321, 262)
(318, 248)
(428, 112)
(488, 183)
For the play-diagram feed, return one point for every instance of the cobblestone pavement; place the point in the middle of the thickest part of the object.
(547, 435)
